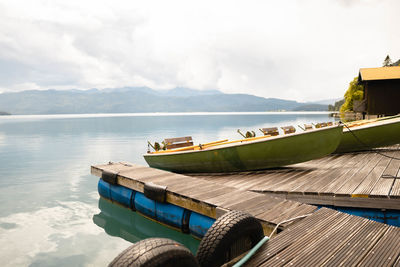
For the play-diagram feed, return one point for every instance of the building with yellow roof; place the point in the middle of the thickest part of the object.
(381, 91)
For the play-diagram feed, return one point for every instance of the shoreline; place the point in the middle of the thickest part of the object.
(162, 114)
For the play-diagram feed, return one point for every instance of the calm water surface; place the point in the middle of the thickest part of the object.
(50, 212)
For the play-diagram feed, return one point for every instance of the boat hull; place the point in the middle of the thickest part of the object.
(266, 153)
(379, 134)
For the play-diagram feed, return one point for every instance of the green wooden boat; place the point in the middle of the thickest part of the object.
(250, 154)
(365, 135)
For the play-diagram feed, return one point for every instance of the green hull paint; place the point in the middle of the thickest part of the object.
(252, 155)
(382, 133)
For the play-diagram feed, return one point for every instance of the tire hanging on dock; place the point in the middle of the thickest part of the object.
(231, 235)
(155, 252)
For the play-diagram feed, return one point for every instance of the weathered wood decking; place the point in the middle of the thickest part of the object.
(326, 237)
(207, 197)
(366, 180)
(331, 238)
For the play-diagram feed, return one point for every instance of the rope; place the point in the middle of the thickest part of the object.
(367, 146)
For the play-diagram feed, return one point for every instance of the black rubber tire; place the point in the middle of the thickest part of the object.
(155, 252)
(218, 245)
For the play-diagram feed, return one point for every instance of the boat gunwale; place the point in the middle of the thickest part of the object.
(243, 143)
(372, 124)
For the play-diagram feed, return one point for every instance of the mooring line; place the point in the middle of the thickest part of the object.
(367, 146)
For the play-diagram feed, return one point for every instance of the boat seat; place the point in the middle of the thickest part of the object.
(321, 125)
(307, 127)
(288, 129)
(177, 142)
(270, 131)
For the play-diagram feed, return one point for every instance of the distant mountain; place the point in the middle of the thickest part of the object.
(4, 113)
(312, 107)
(141, 99)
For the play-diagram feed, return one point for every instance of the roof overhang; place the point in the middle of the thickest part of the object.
(378, 74)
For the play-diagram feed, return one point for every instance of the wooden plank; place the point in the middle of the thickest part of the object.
(367, 202)
(315, 187)
(289, 184)
(355, 248)
(278, 210)
(236, 197)
(368, 184)
(205, 188)
(215, 193)
(215, 200)
(170, 180)
(308, 241)
(386, 251)
(187, 184)
(278, 181)
(385, 183)
(395, 192)
(264, 177)
(111, 166)
(260, 208)
(296, 212)
(348, 188)
(246, 203)
(355, 164)
(317, 252)
(312, 199)
(236, 180)
(304, 181)
(317, 222)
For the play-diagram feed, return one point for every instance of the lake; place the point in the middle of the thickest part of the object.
(51, 214)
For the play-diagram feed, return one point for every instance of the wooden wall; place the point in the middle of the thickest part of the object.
(383, 97)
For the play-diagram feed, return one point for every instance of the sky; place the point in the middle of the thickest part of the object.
(303, 50)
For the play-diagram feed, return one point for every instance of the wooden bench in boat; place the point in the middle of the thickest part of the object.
(270, 131)
(308, 127)
(323, 124)
(288, 129)
(178, 142)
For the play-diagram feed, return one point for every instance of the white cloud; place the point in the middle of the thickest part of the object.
(304, 50)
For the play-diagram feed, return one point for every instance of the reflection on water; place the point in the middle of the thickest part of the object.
(133, 227)
(49, 200)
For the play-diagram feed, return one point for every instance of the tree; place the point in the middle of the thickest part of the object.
(387, 62)
(354, 92)
(336, 106)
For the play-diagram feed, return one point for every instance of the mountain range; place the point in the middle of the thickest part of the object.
(143, 99)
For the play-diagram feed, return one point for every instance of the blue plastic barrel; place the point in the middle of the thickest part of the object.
(145, 205)
(104, 189)
(122, 195)
(199, 224)
(169, 214)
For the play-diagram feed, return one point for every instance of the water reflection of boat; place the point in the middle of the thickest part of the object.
(255, 153)
(368, 134)
(131, 226)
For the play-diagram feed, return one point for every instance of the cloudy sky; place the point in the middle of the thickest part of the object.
(294, 49)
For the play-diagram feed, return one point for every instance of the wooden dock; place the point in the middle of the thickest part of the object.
(326, 237)
(206, 197)
(364, 180)
(331, 238)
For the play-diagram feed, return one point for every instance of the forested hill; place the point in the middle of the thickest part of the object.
(141, 99)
